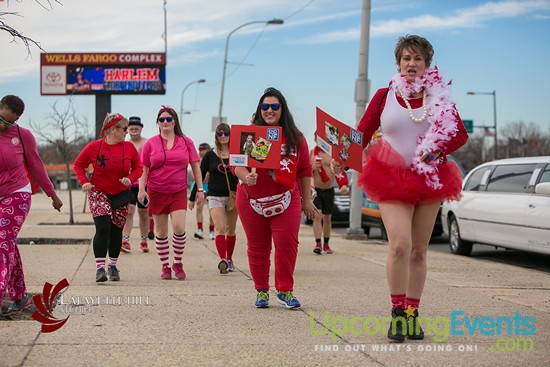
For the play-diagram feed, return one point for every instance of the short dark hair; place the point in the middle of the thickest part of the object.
(417, 44)
(14, 104)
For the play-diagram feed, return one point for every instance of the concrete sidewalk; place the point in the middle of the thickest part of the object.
(210, 319)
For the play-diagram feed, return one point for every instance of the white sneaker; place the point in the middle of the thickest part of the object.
(199, 234)
(212, 235)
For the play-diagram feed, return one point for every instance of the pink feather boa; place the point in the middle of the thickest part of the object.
(441, 117)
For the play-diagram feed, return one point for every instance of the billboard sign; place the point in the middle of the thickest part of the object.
(98, 73)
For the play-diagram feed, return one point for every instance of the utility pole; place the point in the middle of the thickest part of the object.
(355, 229)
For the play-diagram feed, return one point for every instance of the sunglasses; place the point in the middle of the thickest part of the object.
(222, 133)
(6, 122)
(168, 119)
(274, 106)
(125, 128)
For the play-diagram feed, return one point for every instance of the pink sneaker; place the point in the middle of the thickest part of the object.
(166, 272)
(178, 271)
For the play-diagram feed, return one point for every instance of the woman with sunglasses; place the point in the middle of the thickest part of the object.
(116, 164)
(285, 185)
(165, 160)
(215, 163)
(17, 150)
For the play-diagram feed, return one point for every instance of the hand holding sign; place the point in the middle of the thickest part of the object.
(340, 141)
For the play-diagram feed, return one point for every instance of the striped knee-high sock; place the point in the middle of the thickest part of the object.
(100, 262)
(178, 241)
(163, 249)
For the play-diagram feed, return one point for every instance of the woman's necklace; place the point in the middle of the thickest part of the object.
(424, 108)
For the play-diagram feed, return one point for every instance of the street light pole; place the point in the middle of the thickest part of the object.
(183, 92)
(273, 21)
(494, 94)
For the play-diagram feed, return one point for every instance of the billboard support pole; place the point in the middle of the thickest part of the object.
(102, 107)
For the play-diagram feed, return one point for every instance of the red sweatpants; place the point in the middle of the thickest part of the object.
(260, 231)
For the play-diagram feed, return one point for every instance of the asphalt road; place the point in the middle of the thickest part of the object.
(526, 260)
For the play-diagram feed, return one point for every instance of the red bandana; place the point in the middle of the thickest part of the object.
(112, 123)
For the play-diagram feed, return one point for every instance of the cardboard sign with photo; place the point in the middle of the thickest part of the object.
(341, 142)
(257, 146)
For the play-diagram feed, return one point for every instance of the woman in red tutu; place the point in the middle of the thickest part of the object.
(407, 173)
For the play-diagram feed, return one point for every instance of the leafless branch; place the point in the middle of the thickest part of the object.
(18, 36)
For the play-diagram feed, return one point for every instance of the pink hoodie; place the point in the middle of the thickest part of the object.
(13, 175)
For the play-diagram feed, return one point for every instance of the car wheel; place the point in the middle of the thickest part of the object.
(457, 244)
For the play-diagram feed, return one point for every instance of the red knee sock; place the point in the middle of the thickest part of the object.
(398, 301)
(230, 246)
(221, 246)
(199, 225)
(413, 303)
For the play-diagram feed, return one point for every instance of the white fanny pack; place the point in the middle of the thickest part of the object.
(270, 206)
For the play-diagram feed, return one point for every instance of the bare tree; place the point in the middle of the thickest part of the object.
(17, 36)
(524, 140)
(65, 131)
(473, 153)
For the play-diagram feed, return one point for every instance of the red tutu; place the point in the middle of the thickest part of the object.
(386, 177)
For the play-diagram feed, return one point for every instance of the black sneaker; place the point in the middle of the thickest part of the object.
(223, 266)
(100, 275)
(396, 330)
(113, 274)
(151, 235)
(18, 306)
(412, 324)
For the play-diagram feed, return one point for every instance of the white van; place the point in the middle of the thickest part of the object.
(506, 203)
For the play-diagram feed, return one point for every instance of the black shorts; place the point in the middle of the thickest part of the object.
(135, 190)
(324, 200)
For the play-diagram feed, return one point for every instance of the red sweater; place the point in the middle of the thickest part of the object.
(110, 163)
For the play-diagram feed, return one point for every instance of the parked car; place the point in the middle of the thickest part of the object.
(372, 217)
(506, 203)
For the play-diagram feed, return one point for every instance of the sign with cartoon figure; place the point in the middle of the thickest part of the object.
(338, 140)
(255, 146)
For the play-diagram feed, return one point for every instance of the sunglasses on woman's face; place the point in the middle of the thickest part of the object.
(274, 106)
(223, 133)
(125, 128)
(167, 119)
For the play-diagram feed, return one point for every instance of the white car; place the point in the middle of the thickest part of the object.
(506, 203)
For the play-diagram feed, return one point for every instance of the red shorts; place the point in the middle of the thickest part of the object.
(161, 203)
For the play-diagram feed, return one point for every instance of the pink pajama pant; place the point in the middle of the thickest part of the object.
(13, 211)
(260, 231)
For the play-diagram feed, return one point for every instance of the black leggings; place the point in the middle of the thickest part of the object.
(107, 237)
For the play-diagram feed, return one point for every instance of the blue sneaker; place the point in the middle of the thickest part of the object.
(288, 299)
(262, 299)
